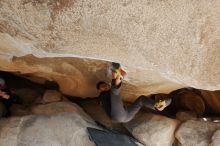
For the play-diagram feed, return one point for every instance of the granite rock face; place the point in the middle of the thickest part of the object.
(57, 107)
(164, 45)
(216, 139)
(153, 130)
(196, 133)
(46, 130)
(97, 112)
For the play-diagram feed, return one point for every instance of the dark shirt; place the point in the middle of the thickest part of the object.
(105, 100)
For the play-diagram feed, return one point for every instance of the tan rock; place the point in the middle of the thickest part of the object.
(164, 45)
(67, 129)
(153, 130)
(57, 107)
(10, 129)
(51, 96)
(196, 133)
(93, 109)
(215, 139)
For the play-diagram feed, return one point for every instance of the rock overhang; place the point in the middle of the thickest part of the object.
(162, 45)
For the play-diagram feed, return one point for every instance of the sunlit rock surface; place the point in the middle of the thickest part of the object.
(153, 130)
(196, 133)
(216, 139)
(46, 130)
(164, 45)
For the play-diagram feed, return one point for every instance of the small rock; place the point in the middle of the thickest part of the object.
(196, 133)
(153, 130)
(51, 96)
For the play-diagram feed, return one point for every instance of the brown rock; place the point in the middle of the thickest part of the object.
(153, 130)
(27, 95)
(19, 110)
(51, 96)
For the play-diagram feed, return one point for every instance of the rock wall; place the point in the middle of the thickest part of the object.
(164, 45)
(46, 130)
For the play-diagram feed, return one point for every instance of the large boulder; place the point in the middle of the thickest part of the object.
(66, 129)
(164, 45)
(196, 133)
(57, 107)
(215, 139)
(153, 130)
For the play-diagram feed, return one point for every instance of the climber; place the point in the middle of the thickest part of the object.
(113, 105)
(6, 99)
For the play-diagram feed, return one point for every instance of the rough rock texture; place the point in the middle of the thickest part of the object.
(153, 130)
(46, 130)
(57, 107)
(164, 45)
(51, 96)
(216, 139)
(93, 109)
(196, 133)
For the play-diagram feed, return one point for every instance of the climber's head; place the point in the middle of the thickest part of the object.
(103, 86)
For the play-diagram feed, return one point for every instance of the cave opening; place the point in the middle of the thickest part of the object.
(186, 102)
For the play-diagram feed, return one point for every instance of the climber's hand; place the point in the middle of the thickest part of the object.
(118, 80)
(6, 96)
